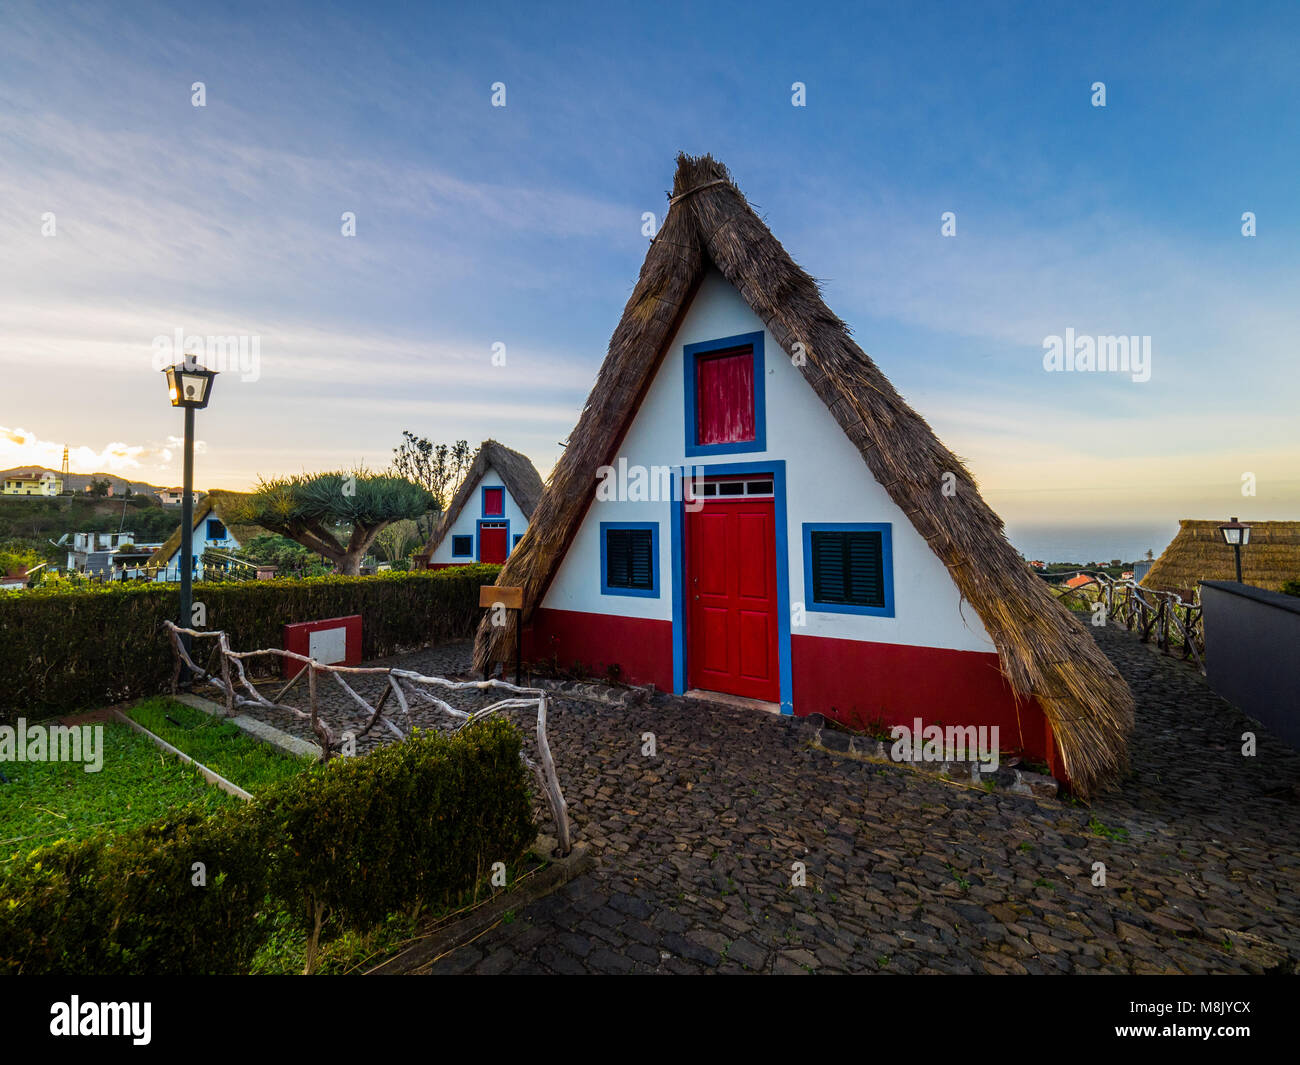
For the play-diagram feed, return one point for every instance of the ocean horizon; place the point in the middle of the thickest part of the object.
(1083, 543)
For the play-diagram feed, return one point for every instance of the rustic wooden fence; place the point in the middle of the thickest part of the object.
(1175, 626)
(225, 672)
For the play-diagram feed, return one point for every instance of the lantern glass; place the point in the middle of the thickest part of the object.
(194, 386)
(1231, 534)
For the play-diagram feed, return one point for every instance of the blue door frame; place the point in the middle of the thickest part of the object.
(774, 468)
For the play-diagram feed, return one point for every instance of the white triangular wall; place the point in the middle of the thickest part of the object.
(827, 480)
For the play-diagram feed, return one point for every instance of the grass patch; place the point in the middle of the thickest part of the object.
(216, 743)
(46, 801)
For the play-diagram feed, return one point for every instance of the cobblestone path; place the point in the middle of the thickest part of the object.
(907, 873)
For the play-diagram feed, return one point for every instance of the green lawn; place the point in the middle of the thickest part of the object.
(45, 801)
(216, 743)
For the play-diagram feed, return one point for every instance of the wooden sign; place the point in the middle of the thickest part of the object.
(492, 594)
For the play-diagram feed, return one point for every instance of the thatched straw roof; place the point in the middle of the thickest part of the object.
(225, 506)
(517, 472)
(1045, 652)
(1198, 553)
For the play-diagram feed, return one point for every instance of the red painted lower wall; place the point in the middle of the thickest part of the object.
(856, 683)
(642, 649)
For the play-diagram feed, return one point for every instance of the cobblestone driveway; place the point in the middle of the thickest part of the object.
(906, 873)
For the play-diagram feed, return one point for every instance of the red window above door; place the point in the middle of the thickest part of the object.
(494, 502)
(724, 397)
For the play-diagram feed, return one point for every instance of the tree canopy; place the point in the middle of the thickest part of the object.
(437, 468)
(337, 514)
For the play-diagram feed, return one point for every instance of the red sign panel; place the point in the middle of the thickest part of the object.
(332, 642)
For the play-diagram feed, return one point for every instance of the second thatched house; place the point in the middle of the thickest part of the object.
(489, 513)
(1198, 553)
(748, 507)
(216, 527)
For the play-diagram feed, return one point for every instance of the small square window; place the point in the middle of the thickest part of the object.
(216, 531)
(629, 559)
(848, 569)
(462, 546)
(515, 541)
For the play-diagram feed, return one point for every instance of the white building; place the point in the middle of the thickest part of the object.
(747, 507)
(489, 513)
(212, 531)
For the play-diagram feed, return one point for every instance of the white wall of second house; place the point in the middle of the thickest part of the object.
(827, 480)
(466, 523)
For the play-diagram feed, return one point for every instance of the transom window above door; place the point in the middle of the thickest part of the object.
(725, 411)
(730, 488)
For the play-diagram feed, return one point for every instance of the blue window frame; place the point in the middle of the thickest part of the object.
(216, 530)
(462, 546)
(498, 493)
(515, 541)
(848, 568)
(693, 352)
(630, 557)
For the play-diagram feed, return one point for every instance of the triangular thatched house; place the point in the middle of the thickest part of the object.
(1198, 553)
(217, 527)
(829, 553)
(489, 513)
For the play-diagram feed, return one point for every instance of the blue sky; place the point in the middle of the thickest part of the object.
(522, 225)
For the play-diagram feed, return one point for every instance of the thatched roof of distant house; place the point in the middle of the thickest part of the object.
(1198, 553)
(225, 507)
(518, 474)
(1045, 652)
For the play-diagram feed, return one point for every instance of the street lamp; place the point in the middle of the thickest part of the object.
(1236, 536)
(189, 385)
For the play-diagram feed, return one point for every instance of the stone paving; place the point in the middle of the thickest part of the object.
(905, 873)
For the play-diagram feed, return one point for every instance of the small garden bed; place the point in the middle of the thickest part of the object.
(216, 743)
(138, 781)
(46, 801)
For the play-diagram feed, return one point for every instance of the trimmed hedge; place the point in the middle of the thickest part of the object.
(67, 650)
(411, 824)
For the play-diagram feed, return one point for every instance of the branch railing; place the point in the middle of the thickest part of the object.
(1163, 616)
(225, 671)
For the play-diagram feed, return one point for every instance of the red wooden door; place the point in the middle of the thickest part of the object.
(731, 626)
(492, 542)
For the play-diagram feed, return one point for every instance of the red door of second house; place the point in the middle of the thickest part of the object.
(731, 626)
(492, 541)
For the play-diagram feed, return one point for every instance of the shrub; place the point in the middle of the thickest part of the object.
(338, 849)
(70, 648)
(126, 904)
(1291, 587)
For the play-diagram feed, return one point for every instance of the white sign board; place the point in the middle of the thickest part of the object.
(328, 646)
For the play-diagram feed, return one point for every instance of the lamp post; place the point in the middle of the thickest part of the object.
(189, 385)
(1236, 535)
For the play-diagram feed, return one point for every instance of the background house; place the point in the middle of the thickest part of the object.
(175, 496)
(33, 484)
(489, 513)
(216, 527)
(1198, 553)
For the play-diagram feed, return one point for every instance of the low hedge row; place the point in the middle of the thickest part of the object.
(74, 649)
(410, 825)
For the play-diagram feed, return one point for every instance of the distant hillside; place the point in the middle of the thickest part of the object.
(77, 482)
